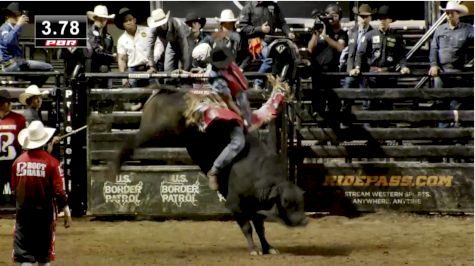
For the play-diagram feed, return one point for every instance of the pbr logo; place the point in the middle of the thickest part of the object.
(67, 43)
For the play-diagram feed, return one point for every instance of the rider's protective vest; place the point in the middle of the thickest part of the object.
(237, 82)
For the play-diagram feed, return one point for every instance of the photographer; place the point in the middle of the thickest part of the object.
(325, 46)
(11, 54)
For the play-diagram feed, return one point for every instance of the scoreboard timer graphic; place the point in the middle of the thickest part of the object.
(60, 31)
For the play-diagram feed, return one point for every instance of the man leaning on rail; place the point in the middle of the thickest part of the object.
(11, 54)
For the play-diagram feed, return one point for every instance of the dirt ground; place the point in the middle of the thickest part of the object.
(373, 239)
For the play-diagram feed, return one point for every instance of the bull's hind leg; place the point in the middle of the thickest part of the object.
(258, 222)
(246, 229)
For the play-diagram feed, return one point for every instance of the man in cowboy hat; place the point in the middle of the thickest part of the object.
(173, 33)
(33, 98)
(196, 35)
(37, 181)
(133, 46)
(363, 16)
(451, 48)
(11, 123)
(228, 81)
(11, 54)
(381, 50)
(100, 45)
(227, 35)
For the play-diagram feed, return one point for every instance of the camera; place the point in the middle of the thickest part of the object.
(321, 20)
(25, 12)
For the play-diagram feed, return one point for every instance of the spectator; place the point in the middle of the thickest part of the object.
(99, 45)
(325, 48)
(363, 16)
(227, 35)
(451, 49)
(173, 34)
(37, 181)
(196, 35)
(32, 98)
(11, 54)
(133, 46)
(380, 51)
(11, 123)
(258, 19)
(72, 57)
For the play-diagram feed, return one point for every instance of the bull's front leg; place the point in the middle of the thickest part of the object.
(246, 229)
(258, 222)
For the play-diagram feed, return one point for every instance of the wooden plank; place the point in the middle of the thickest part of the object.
(126, 94)
(149, 190)
(414, 187)
(361, 133)
(397, 94)
(384, 151)
(398, 116)
(149, 154)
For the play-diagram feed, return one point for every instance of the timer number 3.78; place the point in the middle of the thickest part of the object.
(73, 28)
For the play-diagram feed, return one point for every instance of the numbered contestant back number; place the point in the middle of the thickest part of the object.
(60, 31)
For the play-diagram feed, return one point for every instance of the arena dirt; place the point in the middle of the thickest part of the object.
(373, 239)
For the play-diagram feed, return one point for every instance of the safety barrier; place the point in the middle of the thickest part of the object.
(159, 179)
(417, 155)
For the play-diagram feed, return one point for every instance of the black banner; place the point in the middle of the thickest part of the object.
(415, 187)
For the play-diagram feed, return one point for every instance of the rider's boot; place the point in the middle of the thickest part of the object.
(213, 179)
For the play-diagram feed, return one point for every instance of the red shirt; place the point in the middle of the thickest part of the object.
(37, 179)
(10, 126)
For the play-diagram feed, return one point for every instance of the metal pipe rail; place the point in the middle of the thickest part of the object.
(31, 73)
(163, 75)
(395, 74)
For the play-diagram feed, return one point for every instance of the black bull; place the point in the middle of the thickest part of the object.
(255, 186)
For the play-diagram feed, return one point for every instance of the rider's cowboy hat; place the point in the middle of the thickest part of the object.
(201, 52)
(227, 15)
(12, 9)
(32, 90)
(363, 10)
(462, 9)
(192, 17)
(119, 19)
(101, 12)
(5, 95)
(35, 135)
(157, 18)
(221, 57)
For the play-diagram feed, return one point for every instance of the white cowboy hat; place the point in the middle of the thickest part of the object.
(35, 135)
(201, 52)
(157, 18)
(32, 90)
(227, 15)
(462, 9)
(100, 11)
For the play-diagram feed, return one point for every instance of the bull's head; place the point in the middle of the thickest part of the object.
(288, 205)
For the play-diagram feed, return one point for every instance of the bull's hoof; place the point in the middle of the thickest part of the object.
(274, 251)
(255, 253)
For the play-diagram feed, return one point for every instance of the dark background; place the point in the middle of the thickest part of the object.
(295, 9)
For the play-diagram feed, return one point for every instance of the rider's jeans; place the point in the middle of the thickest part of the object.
(266, 65)
(233, 148)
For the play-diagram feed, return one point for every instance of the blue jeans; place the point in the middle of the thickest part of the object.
(234, 147)
(245, 107)
(266, 65)
(30, 65)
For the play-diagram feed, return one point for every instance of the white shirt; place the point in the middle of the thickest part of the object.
(136, 47)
